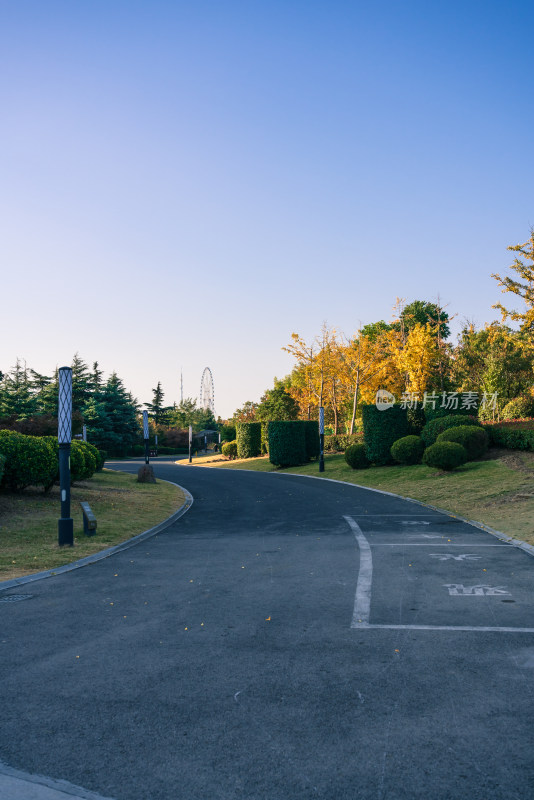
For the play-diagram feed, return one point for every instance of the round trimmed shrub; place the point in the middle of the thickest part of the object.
(519, 408)
(78, 470)
(229, 449)
(432, 429)
(102, 455)
(445, 455)
(408, 450)
(356, 456)
(474, 439)
(29, 461)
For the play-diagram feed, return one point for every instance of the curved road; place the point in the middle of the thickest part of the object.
(286, 639)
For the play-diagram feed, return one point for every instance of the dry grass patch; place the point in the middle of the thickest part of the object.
(123, 508)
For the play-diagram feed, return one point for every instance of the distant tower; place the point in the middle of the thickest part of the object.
(207, 392)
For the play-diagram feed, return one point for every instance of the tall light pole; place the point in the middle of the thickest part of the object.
(145, 434)
(65, 526)
(321, 439)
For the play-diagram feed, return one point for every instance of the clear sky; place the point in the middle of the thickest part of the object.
(184, 184)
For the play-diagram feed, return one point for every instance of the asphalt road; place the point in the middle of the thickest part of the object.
(286, 639)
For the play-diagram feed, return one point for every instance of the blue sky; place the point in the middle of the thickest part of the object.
(184, 184)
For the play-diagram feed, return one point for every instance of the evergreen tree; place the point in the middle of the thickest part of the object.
(81, 383)
(16, 396)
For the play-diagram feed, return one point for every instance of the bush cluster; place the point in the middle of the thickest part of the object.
(29, 461)
(34, 460)
(248, 439)
(2, 465)
(356, 456)
(229, 449)
(338, 443)
(445, 455)
(408, 450)
(474, 439)
(381, 429)
(432, 429)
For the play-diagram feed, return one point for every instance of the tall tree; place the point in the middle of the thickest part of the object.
(277, 404)
(156, 409)
(16, 396)
(523, 287)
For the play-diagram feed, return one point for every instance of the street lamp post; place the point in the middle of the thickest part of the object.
(321, 439)
(65, 526)
(190, 443)
(145, 433)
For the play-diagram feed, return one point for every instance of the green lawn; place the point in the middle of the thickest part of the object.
(487, 491)
(123, 508)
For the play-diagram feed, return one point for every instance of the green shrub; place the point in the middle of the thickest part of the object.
(445, 455)
(229, 449)
(474, 439)
(287, 443)
(311, 437)
(381, 429)
(518, 436)
(439, 411)
(264, 438)
(82, 461)
(248, 439)
(137, 450)
(29, 460)
(356, 457)
(102, 455)
(408, 450)
(416, 420)
(93, 451)
(2, 465)
(519, 408)
(432, 429)
(228, 433)
(338, 443)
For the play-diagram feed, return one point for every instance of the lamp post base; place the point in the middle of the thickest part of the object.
(65, 532)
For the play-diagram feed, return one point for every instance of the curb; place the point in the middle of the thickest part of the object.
(83, 562)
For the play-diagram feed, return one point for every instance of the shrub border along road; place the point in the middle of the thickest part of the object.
(82, 562)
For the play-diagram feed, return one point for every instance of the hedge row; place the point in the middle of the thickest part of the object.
(291, 443)
(514, 438)
(34, 460)
(248, 439)
(338, 443)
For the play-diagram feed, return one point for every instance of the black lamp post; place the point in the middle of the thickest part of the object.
(321, 438)
(145, 432)
(190, 444)
(65, 531)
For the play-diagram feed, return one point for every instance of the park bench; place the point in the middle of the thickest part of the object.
(89, 520)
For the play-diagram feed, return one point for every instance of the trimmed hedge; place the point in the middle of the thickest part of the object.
(474, 439)
(248, 439)
(264, 438)
(229, 449)
(514, 438)
(287, 443)
(432, 429)
(311, 437)
(445, 455)
(408, 450)
(381, 429)
(29, 461)
(356, 457)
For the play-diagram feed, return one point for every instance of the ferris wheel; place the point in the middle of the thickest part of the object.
(207, 392)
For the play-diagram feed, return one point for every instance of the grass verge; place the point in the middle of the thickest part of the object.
(123, 508)
(497, 491)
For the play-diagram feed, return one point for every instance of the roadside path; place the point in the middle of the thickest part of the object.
(286, 638)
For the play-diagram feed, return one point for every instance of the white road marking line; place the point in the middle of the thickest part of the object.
(362, 600)
(469, 628)
(432, 544)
